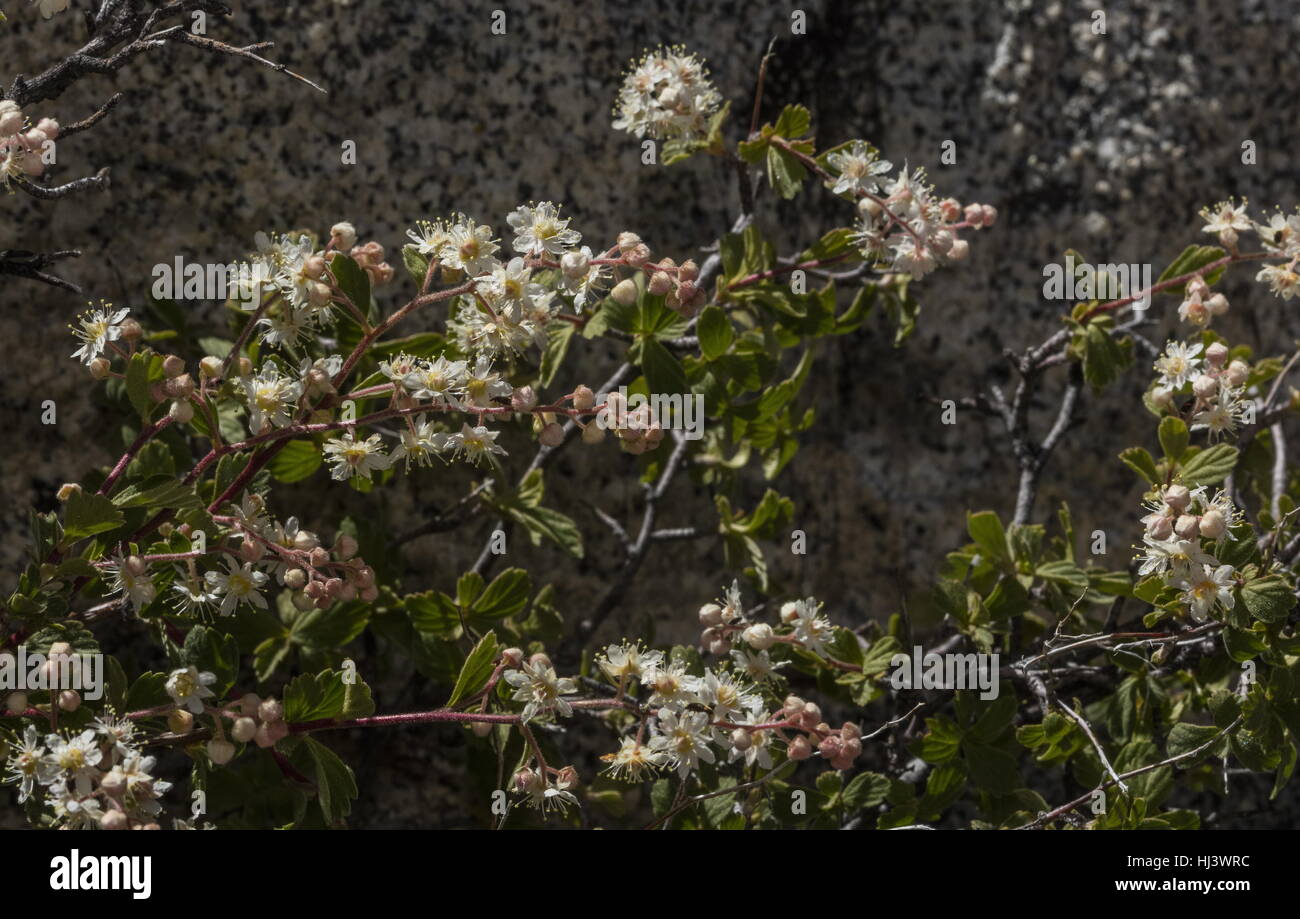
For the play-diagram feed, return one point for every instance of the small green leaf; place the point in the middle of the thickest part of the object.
(476, 670)
(715, 332)
(1210, 465)
(1269, 599)
(85, 515)
(1173, 437)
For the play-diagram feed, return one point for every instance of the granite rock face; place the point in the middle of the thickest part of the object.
(1108, 143)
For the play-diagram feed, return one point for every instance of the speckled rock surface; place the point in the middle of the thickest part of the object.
(1106, 143)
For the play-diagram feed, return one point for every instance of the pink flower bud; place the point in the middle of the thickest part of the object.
(1160, 527)
(1213, 524)
(1187, 526)
(711, 615)
(1177, 497)
(799, 748)
(1216, 354)
(244, 729)
(552, 435)
(220, 751)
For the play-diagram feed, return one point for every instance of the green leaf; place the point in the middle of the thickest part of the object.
(663, 372)
(416, 264)
(1269, 599)
(352, 280)
(1173, 437)
(476, 670)
(158, 491)
(987, 532)
(867, 789)
(144, 368)
(715, 332)
(1104, 358)
(331, 628)
(1141, 462)
(433, 612)
(1184, 738)
(85, 515)
(336, 786)
(1192, 258)
(505, 596)
(1210, 465)
(558, 336)
(295, 462)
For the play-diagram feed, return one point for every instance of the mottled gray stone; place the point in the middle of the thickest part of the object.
(1105, 143)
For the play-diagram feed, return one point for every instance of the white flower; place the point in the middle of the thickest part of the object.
(629, 661)
(238, 584)
(439, 380)
(856, 168)
(685, 739)
(540, 229)
(138, 588)
(1178, 364)
(191, 596)
(98, 328)
(758, 753)
(725, 695)
(469, 247)
(1281, 234)
(1221, 415)
(1282, 280)
(1227, 216)
(673, 687)
(757, 665)
(482, 384)
(588, 284)
(1206, 586)
(537, 685)
(635, 760)
(811, 629)
(71, 758)
(547, 796)
(79, 810)
(120, 731)
(24, 763)
(271, 398)
(352, 457)
(474, 443)
(188, 688)
(667, 94)
(420, 444)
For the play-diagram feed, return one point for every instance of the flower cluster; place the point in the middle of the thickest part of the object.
(900, 221)
(1280, 237)
(685, 715)
(1183, 526)
(96, 778)
(1216, 385)
(22, 145)
(667, 94)
(267, 552)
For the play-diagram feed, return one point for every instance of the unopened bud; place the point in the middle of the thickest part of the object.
(1213, 524)
(180, 721)
(552, 435)
(1187, 526)
(624, 292)
(244, 729)
(221, 751)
